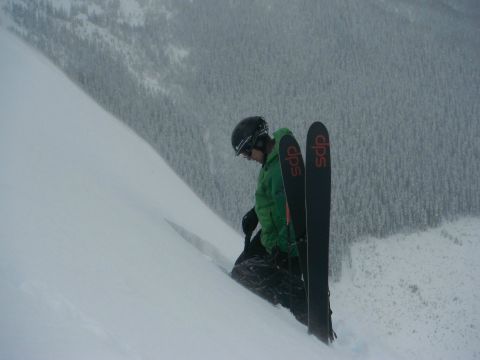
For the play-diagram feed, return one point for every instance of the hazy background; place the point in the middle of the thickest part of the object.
(396, 82)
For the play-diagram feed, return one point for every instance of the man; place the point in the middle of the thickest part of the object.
(269, 265)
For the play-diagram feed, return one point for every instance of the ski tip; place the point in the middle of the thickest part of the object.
(318, 126)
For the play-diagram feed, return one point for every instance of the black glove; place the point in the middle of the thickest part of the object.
(249, 222)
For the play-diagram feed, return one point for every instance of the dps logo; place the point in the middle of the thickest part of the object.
(320, 147)
(294, 157)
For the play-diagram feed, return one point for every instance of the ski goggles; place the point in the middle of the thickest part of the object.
(247, 150)
(246, 146)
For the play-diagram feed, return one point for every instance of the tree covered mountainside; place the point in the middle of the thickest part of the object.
(397, 82)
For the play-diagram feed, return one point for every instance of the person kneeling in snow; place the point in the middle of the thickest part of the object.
(269, 264)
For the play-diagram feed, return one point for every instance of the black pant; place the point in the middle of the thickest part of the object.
(269, 277)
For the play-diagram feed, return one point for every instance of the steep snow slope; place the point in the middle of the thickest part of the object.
(89, 266)
(99, 253)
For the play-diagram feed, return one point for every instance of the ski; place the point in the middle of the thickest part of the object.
(293, 174)
(308, 192)
(317, 200)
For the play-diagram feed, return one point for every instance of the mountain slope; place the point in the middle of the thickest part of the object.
(90, 267)
(106, 254)
(395, 81)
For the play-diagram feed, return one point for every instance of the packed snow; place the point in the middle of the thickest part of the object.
(106, 254)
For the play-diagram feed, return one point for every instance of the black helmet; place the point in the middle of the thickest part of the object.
(247, 134)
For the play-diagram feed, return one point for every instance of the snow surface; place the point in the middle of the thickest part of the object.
(106, 254)
(417, 292)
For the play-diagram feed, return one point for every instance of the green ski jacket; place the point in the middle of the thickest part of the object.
(270, 202)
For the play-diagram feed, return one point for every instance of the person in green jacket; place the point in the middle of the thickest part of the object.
(269, 264)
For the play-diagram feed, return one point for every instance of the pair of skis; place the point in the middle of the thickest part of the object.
(307, 189)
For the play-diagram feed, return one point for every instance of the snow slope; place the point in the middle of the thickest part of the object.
(89, 266)
(417, 293)
(106, 254)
